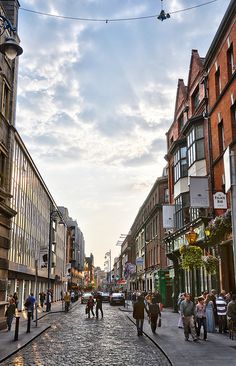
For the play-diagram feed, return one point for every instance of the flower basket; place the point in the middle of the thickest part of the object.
(192, 257)
(219, 228)
(210, 263)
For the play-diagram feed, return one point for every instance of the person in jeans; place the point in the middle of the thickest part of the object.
(221, 306)
(10, 313)
(138, 314)
(201, 317)
(187, 310)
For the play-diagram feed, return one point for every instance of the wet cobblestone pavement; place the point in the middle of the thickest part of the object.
(76, 340)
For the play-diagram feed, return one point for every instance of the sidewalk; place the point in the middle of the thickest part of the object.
(218, 347)
(7, 344)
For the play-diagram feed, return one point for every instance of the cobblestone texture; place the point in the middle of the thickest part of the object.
(77, 340)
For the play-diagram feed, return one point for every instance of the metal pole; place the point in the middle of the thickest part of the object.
(233, 207)
(49, 260)
(17, 328)
(36, 292)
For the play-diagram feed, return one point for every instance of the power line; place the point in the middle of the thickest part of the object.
(115, 19)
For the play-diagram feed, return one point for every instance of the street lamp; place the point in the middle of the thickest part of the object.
(10, 47)
(191, 236)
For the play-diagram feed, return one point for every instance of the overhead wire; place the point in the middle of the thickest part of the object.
(106, 20)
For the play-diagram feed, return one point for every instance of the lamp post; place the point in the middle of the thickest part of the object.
(108, 254)
(10, 47)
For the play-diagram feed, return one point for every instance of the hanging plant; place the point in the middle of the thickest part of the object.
(218, 228)
(210, 263)
(183, 249)
(192, 257)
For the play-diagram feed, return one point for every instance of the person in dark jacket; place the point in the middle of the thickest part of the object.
(138, 314)
(154, 312)
(99, 305)
(10, 313)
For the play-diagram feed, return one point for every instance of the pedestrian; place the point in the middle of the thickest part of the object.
(187, 309)
(148, 298)
(210, 318)
(134, 297)
(42, 297)
(15, 297)
(67, 299)
(90, 305)
(221, 306)
(154, 313)
(138, 314)
(10, 313)
(201, 317)
(231, 310)
(99, 305)
(29, 304)
(180, 299)
(49, 300)
(72, 295)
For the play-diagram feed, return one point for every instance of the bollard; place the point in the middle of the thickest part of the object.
(17, 328)
(28, 322)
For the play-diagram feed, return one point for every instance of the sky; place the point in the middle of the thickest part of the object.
(96, 98)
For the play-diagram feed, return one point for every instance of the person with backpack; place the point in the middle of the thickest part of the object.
(154, 313)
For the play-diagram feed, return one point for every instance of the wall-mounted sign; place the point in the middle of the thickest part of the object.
(199, 192)
(139, 261)
(220, 200)
(168, 212)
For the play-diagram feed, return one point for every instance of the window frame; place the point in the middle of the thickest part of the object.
(194, 141)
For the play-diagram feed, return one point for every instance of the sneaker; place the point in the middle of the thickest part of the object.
(196, 340)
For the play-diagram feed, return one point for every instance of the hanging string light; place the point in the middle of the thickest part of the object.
(163, 15)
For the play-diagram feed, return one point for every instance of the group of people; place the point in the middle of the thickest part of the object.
(94, 301)
(151, 303)
(208, 312)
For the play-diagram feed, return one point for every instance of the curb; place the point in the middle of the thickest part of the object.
(24, 345)
(156, 344)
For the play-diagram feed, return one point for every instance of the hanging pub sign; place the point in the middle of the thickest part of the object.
(199, 192)
(220, 200)
(168, 212)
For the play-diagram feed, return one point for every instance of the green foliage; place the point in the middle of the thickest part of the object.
(210, 263)
(191, 257)
(218, 228)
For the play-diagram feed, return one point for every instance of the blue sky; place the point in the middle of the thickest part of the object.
(95, 100)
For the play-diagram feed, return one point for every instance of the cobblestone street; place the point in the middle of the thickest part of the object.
(76, 340)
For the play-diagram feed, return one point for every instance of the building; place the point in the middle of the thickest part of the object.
(8, 81)
(37, 231)
(75, 251)
(143, 253)
(220, 69)
(202, 129)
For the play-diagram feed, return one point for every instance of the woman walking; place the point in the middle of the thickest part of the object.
(201, 317)
(210, 318)
(10, 313)
(90, 305)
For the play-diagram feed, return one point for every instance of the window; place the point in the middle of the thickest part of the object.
(6, 101)
(233, 119)
(181, 122)
(217, 82)
(195, 144)
(230, 61)
(166, 195)
(195, 99)
(182, 210)
(221, 137)
(2, 168)
(180, 164)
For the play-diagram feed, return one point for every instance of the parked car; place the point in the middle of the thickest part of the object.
(117, 298)
(85, 296)
(105, 296)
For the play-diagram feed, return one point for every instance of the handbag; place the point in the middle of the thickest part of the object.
(159, 322)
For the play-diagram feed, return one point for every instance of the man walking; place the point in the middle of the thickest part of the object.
(99, 305)
(187, 311)
(138, 314)
(221, 307)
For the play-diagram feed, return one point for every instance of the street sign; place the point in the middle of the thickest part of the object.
(220, 200)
